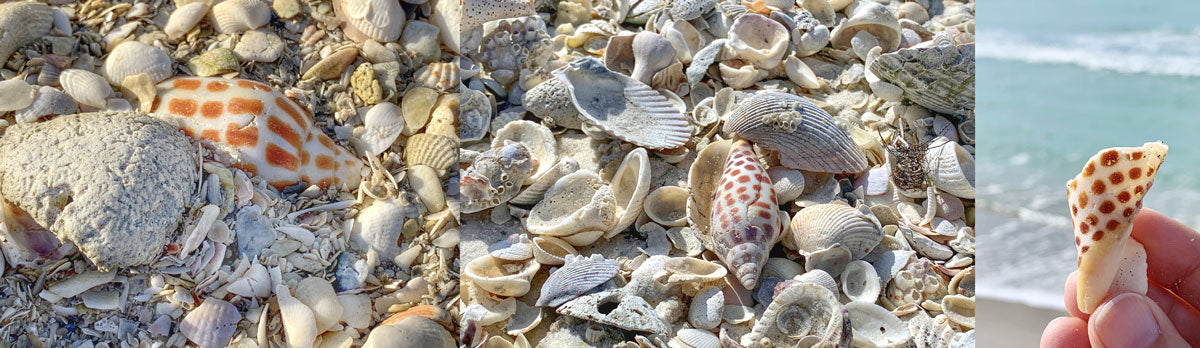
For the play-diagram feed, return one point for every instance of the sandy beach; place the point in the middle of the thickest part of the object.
(1011, 324)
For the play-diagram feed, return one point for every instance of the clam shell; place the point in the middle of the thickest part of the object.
(536, 138)
(629, 186)
(22, 23)
(475, 115)
(951, 168)
(495, 176)
(317, 294)
(417, 331)
(623, 107)
(576, 278)
(860, 282)
(519, 249)
(667, 206)
(938, 77)
(382, 123)
(236, 16)
(436, 151)
(525, 319)
(695, 338)
(299, 325)
(875, 326)
(825, 225)
(501, 277)
(818, 277)
(576, 203)
(85, 87)
(960, 310)
(806, 137)
(630, 312)
(417, 106)
(184, 18)
(428, 187)
(379, 20)
(211, 324)
(551, 251)
(255, 282)
(782, 268)
(707, 308)
(684, 37)
(801, 310)
(758, 40)
(535, 191)
(703, 176)
(439, 76)
(132, 58)
(788, 183)
(17, 93)
(745, 215)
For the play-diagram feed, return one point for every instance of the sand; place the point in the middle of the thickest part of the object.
(1011, 324)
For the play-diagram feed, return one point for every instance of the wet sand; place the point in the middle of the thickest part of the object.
(1011, 324)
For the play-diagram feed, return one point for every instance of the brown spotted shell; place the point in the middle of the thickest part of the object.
(805, 136)
(745, 214)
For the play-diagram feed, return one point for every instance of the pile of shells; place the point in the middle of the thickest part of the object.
(301, 195)
(692, 173)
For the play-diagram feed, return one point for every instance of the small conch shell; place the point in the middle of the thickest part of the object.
(236, 16)
(1104, 200)
(501, 277)
(623, 107)
(806, 137)
(667, 206)
(212, 324)
(379, 20)
(578, 202)
(630, 185)
(745, 215)
(802, 310)
(951, 168)
(132, 58)
(578, 276)
(758, 40)
(874, 326)
(826, 225)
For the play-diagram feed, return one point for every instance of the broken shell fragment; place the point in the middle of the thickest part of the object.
(623, 107)
(211, 324)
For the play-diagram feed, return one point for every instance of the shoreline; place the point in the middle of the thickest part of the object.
(1011, 324)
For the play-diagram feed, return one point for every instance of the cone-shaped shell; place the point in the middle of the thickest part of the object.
(379, 20)
(616, 308)
(1104, 199)
(745, 215)
(805, 136)
(801, 310)
(941, 77)
(951, 168)
(578, 202)
(576, 278)
(501, 277)
(623, 107)
(630, 185)
(825, 225)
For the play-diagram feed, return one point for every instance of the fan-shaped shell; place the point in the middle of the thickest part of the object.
(537, 139)
(439, 76)
(299, 325)
(578, 202)
(380, 20)
(940, 78)
(875, 326)
(255, 282)
(501, 277)
(818, 277)
(535, 191)
(758, 40)
(436, 151)
(236, 16)
(623, 107)
(616, 308)
(211, 324)
(825, 225)
(667, 206)
(578, 276)
(630, 185)
(703, 176)
(696, 338)
(318, 294)
(85, 87)
(860, 282)
(184, 18)
(801, 311)
(22, 22)
(132, 58)
(495, 176)
(805, 136)
(382, 123)
(951, 168)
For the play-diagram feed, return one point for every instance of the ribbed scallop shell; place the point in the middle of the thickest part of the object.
(535, 191)
(874, 326)
(578, 276)
(85, 87)
(951, 168)
(437, 152)
(235, 16)
(801, 310)
(439, 76)
(536, 137)
(941, 78)
(623, 107)
(382, 124)
(824, 225)
(805, 136)
(578, 202)
(495, 176)
(132, 58)
(381, 20)
(551, 251)
(21, 23)
(211, 324)
(630, 185)
(501, 277)
(860, 282)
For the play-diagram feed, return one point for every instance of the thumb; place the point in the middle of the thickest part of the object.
(1132, 320)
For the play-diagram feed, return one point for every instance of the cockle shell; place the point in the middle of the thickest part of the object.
(85, 87)
(22, 22)
(630, 185)
(132, 58)
(667, 206)
(873, 18)
(266, 133)
(577, 277)
(501, 277)
(382, 123)
(951, 168)
(801, 311)
(758, 40)
(536, 138)
(439, 76)
(806, 137)
(436, 151)
(940, 77)
(745, 215)
(496, 176)
(211, 324)
(379, 20)
(535, 191)
(826, 225)
(551, 251)
(236, 16)
(860, 282)
(615, 308)
(874, 326)
(184, 18)
(623, 107)
(696, 338)
(1104, 198)
(578, 202)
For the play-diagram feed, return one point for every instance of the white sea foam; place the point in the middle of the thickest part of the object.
(1159, 52)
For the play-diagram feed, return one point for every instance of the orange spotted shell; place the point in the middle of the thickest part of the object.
(745, 215)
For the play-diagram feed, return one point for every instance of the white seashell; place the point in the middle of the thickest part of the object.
(551, 101)
(860, 282)
(551, 251)
(317, 294)
(525, 319)
(578, 202)
(788, 183)
(707, 308)
(651, 53)
(616, 308)
(439, 76)
(758, 40)
(236, 16)
(781, 268)
(101, 300)
(800, 74)
(16, 94)
(874, 326)
(79, 283)
(819, 277)
(960, 310)
(382, 123)
(260, 45)
(739, 74)
(255, 282)
(211, 324)
(413, 331)
(425, 182)
(704, 58)
(825, 225)
(684, 37)
(184, 18)
(623, 107)
(299, 324)
(85, 87)
(963, 283)
(132, 58)
(501, 277)
(870, 17)
(379, 20)
(537, 139)
(380, 225)
(22, 23)
(576, 278)
(800, 310)
(475, 115)
(694, 338)
(951, 168)
(630, 185)
(535, 191)
(667, 206)
(806, 136)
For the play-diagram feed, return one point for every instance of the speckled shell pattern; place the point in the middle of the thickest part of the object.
(941, 78)
(745, 215)
(1104, 198)
(806, 137)
(268, 134)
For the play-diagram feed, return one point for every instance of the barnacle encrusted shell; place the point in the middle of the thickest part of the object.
(623, 107)
(630, 185)
(1104, 199)
(475, 115)
(805, 136)
(64, 174)
(22, 22)
(551, 101)
(745, 215)
(615, 308)
(758, 40)
(496, 176)
(826, 225)
(801, 311)
(501, 277)
(940, 77)
(871, 17)
(379, 20)
(578, 202)
(578, 276)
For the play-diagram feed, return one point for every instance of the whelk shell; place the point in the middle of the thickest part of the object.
(623, 107)
(806, 137)
(745, 215)
(211, 324)
(501, 277)
(576, 278)
(132, 58)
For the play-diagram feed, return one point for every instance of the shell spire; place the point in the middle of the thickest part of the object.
(745, 215)
(1104, 199)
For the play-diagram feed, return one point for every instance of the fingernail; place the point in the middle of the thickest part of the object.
(1126, 321)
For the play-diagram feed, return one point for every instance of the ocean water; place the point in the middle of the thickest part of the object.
(1056, 82)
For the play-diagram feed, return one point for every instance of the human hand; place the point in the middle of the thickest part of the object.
(1166, 316)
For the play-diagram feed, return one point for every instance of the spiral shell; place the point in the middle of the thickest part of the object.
(236, 16)
(826, 225)
(800, 311)
(745, 215)
(951, 168)
(623, 107)
(805, 136)
(578, 276)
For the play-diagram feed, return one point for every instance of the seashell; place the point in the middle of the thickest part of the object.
(684, 37)
(417, 105)
(914, 284)
(477, 12)
(667, 206)
(184, 18)
(745, 215)
(259, 46)
(24, 22)
(819, 277)
(475, 115)
(378, 226)
(800, 74)
(332, 66)
(694, 338)
(524, 320)
(805, 311)
(132, 58)
(255, 282)
(690, 273)
(382, 123)
(436, 151)
(860, 282)
(420, 41)
(738, 74)
(416, 331)
(17, 94)
(501, 277)
(960, 310)
(629, 186)
(703, 177)
(651, 53)
(551, 101)
(536, 138)
(951, 168)
(317, 294)
(806, 137)
(214, 62)
(428, 187)
(788, 183)
(963, 283)
(936, 77)
(444, 118)
(704, 58)
(299, 324)
(551, 251)
(873, 18)
(874, 326)
(438, 76)
(379, 20)
(624, 107)
(578, 202)
(707, 308)
(688, 10)
(825, 225)
(430, 312)
(535, 191)
(1109, 189)
(495, 176)
(236, 16)
(615, 308)
(758, 40)
(782, 268)
(85, 87)
(211, 324)
(577, 277)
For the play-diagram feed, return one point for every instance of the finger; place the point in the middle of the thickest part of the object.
(1134, 321)
(1065, 332)
(1185, 317)
(1165, 240)
(1069, 296)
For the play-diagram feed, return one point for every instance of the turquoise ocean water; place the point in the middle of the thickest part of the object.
(1057, 81)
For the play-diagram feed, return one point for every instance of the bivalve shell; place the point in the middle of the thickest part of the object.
(380, 20)
(317, 294)
(805, 136)
(875, 326)
(758, 40)
(535, 191)
(415, 331)
(501, 277)
(667, 206)
(624, 107)
(951, 168)
(436, 151)
(695, 338)
(537, 139)
(552, 251)
(236, 16)
(85, 87)
(707, 308)
(495, 176)
(132, 58)
(578, 202)
(860, 282)
(382, 123)
(211, 324)
(802, 310)
(16, 94)
(576, 278)
(825, 225)
(184, 18)
(22, 22)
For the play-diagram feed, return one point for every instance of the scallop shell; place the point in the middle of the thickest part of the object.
(951, 168)
(551, 251)
(939, 78)
(535, 191)
(629, 186)
(703, 177)
(623, 107)
(211, 324)
(382, 123)
(495, 176)
(801, 311)
(501, 277)
(707, 308)
(85, 87)
(788, 183)
(818, 277)
(236, 16)
(184, 18)
(299, 325)
(825, 225)
(615, 308)
(960, 310)
(439, 76)
(48, 101)
(475, 115)
(132, 58)
(875, 326)
(22, 22)
(577, 277)
(551, 101)
(695, 338)
(578, 202)
(379, 20)
(1104, 198)
(436, 151)
(860, 282)
(806, 137)
(745, 215)
(536, 138)
(416, 331)
(667, 206)
(758, 40)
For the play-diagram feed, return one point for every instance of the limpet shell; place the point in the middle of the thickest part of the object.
(211, 324)
(436, 151)
(802, 310)
(825, 225)
(236, 16)
(630, 185)
(623, 107)
(85, 87)
(667, 206)
(875, 326)
(537, 139)
(501, 277)
(615, 308)
(951, 168)
(551, 251)
(578, 276)
(860, 282)
(806, 137)
(576, 203)
(380, 20)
